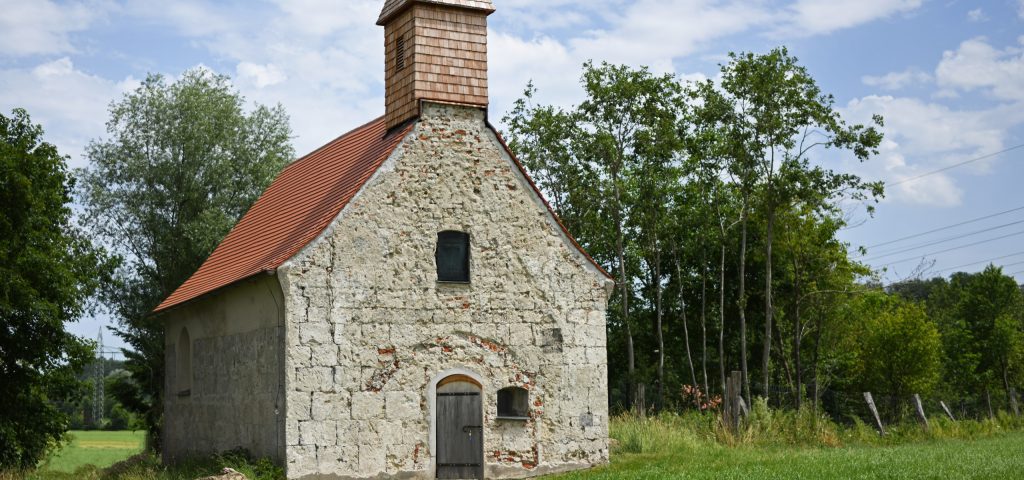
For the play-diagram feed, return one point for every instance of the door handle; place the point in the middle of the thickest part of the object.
(469, 428)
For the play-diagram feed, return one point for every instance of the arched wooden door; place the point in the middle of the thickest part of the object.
(460, 435)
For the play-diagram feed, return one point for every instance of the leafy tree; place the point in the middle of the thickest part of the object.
(900, 348)
(589, 158)
(718, 147)
(183, 162)
(784, 116)
(48, 270)
(985, 328)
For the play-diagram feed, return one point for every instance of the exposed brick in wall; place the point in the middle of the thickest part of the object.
(368, 327)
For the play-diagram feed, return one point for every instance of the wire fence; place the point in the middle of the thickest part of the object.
(843, 407)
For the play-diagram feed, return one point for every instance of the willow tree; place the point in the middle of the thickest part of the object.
(183, 161)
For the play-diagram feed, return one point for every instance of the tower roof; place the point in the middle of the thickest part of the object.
(393, 7)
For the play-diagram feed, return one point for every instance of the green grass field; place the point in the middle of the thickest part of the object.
(98, 448)
(995, 457)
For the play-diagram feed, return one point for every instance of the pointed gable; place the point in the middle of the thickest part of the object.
(301, 202)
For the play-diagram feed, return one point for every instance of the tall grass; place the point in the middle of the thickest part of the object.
(767, 427)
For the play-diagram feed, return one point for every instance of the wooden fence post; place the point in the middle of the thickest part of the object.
(920, 411)
(731, 402)
(946, 409)
(874, 412)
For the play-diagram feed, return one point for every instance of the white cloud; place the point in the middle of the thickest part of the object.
(652, 31)
(923, 137)
(645, 32)
(976, 15)
(69, 103)
(260, 75)
(303, 54)
(324, 17)
(192, 18)
(897, 80)
(41, 26)
(811, 17)
(978, 65)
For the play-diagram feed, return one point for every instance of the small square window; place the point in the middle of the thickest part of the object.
(452, 257)
(513, 403)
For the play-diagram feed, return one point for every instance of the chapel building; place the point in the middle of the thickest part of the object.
(401, 302)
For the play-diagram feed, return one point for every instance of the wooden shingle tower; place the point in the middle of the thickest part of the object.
(435, 50)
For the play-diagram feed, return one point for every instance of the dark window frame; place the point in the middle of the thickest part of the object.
(453, 247)
(513, 403)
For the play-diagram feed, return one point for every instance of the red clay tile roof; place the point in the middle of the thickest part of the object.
(301, 202)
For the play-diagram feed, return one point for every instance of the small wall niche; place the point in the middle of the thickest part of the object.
(513, 404)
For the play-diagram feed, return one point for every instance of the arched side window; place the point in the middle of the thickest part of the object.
(184, 354)
(452, 257)
(513, 403)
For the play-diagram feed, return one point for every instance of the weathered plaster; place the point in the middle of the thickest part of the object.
(237, 366)
(368, 329)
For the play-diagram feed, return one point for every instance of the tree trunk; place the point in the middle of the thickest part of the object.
(766, 360)
(703, 316)
(686, 329)
(659, 332)
(797, 333)
(721, 315)
(782, 357)
(742, 302)
(814, 356)
(624, 291)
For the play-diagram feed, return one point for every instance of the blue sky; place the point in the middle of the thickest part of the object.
(947, 75)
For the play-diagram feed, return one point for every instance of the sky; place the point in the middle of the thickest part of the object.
(947, 76)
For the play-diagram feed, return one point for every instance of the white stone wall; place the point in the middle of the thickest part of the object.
(369, 329)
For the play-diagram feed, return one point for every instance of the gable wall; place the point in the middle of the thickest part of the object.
(237, 385)
(369, 331)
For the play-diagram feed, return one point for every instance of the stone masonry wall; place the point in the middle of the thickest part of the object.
(369, 330)
(236, 389)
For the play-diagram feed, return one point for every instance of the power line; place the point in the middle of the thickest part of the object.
(986, 217)
(948, 239)
(955, 248)
(978, 159)
(981, 261)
